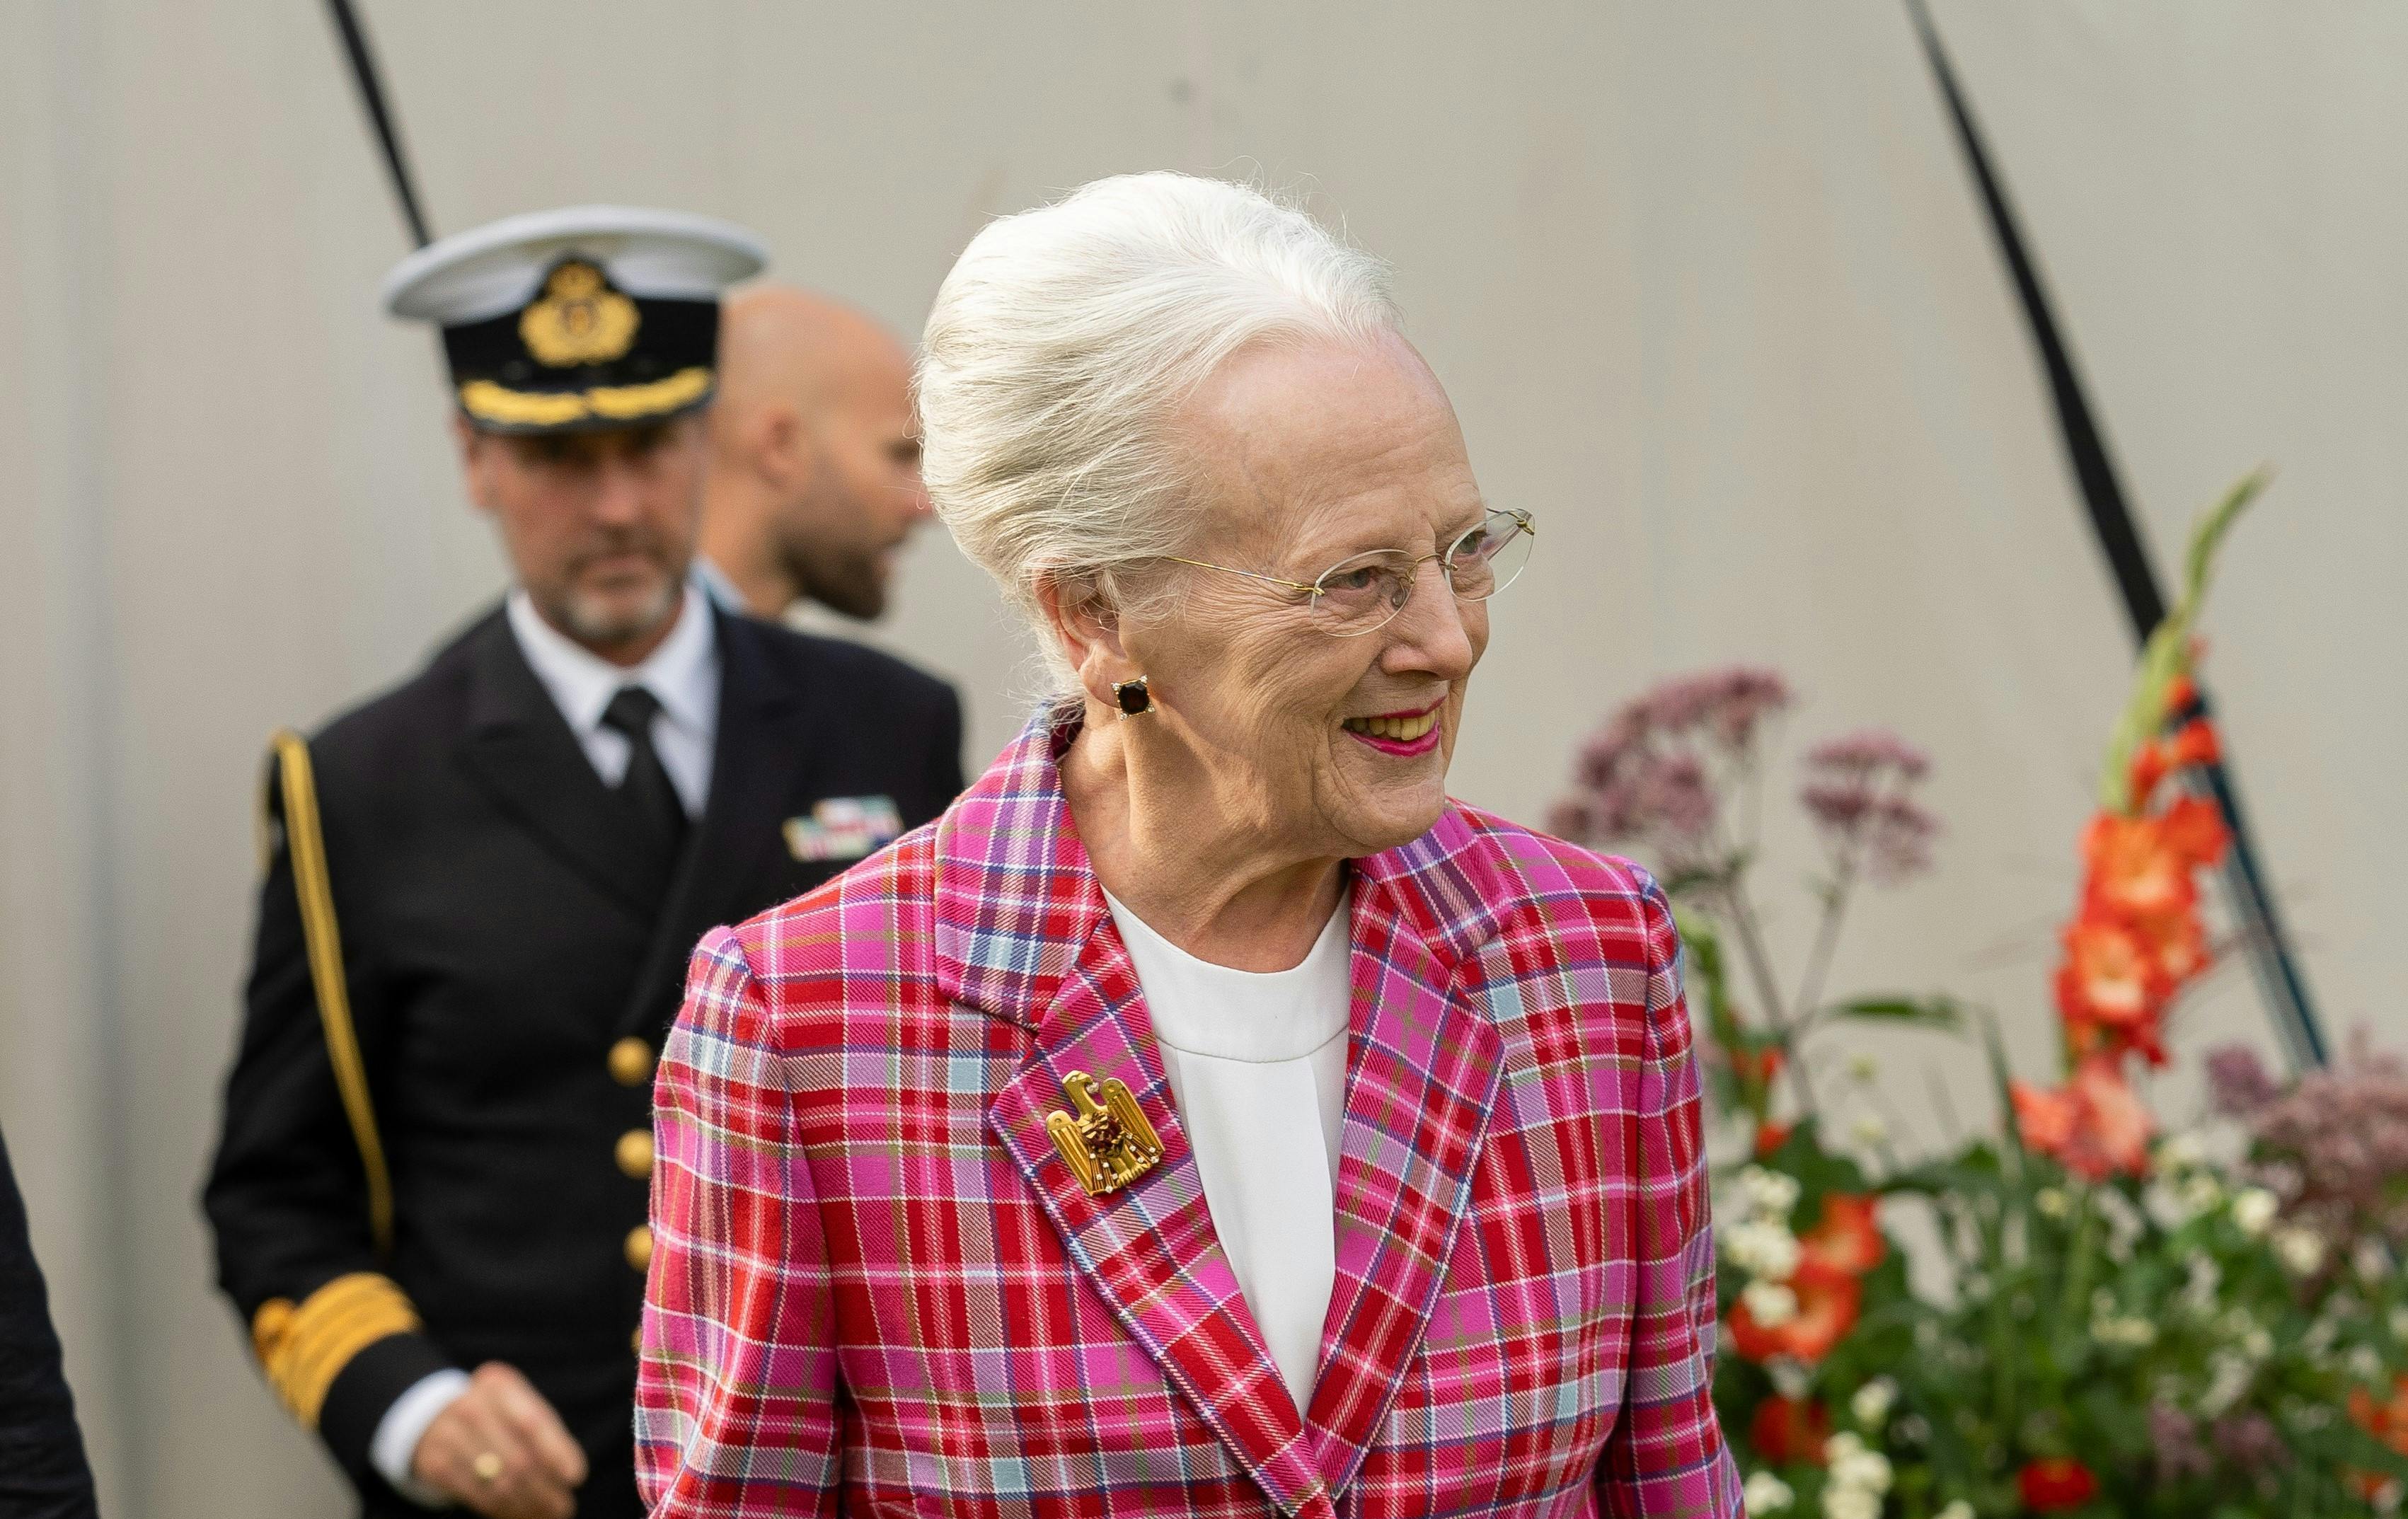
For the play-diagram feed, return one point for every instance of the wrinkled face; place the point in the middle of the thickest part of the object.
(600, 526)
(1311, 456)
(863, 496)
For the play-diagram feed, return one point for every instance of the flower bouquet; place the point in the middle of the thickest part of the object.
(2114, 1321)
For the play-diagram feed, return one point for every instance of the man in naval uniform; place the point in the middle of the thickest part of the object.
(430, 1191)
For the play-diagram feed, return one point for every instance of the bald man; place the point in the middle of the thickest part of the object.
(814, 478)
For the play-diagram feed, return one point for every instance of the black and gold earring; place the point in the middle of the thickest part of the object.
(1133, 697)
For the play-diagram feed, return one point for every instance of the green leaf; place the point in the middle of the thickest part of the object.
(2167, 651)
(1940, 1012)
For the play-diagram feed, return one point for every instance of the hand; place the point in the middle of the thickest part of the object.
(530, 1466)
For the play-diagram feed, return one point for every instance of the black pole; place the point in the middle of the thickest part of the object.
(364, 72)
(2127, 559)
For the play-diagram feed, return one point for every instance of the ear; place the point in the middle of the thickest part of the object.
(781, 452)
(473, 446)
(1079, 618)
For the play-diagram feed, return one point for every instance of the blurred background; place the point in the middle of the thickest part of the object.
(1709, 285)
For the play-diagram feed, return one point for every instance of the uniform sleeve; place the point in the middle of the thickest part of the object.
(735, 1387)
(43, 1474)
(1666, 1455)
(287, 1194)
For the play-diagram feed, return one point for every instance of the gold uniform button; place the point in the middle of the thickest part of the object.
(631, 1062)
(636, 1153)
(639, 1246)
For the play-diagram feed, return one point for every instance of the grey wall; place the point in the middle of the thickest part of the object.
(1705, 281)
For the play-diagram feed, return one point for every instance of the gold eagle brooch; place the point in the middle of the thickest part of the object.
(1109, 1144)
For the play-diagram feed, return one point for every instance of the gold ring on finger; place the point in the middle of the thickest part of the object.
(488, 1467)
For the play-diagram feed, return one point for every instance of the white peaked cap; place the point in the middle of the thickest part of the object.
(485, 271)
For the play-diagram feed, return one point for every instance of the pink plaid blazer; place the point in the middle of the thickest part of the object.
(876, 1287)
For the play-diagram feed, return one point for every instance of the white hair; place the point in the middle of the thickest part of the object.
(1065, 338)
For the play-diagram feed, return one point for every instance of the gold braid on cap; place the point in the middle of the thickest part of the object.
(303, 1349)
(488, 401)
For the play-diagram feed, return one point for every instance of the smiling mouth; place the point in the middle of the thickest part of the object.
(1402, 734)
(1401, 729)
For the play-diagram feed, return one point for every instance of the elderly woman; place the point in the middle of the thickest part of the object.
(1205, 1115)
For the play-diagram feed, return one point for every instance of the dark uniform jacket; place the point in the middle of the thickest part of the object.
(511, 972)
(42, 1470)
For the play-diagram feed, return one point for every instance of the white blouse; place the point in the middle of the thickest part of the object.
(1257, 1069)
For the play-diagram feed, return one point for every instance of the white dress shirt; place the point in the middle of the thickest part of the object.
(719, 588)
(682, 673)
(1257, 1069)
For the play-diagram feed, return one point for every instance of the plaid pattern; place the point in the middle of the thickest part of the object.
(875, 1287)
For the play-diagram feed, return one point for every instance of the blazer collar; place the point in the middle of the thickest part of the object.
(1022, 933)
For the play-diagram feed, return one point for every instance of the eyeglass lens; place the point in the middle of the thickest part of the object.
(1362, 593)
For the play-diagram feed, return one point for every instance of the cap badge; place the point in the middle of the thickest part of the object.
(1109, 1144)
(580, 320)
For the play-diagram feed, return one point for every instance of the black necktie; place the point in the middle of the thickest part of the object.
(650, 793)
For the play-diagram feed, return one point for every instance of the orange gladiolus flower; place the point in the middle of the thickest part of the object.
(2195, 831)
(2111, 976)
(2179, 943)
(2196, 744)
(1847, 1239)
(2135, 870)
(2055, 1484)
(2095, 1126)
(2044, 1117)
(2386, 1421)
(1828, 1302)
(1769, 1137)
(1788, 1430)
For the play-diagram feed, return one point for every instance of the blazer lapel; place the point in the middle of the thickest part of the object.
(1023, 933)
(520, 748)
(1423, 1073)
(758, 759)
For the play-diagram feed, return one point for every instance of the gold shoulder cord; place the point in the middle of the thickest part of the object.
(311, 884)
(303, 1347)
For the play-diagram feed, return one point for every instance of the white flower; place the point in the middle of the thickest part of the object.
(1769, 1303)
(2397, 1319)
(2387, 1498)
(1868, 1130)
(1855, 1466)
(2253, 1208)
(2178, 1153)
(2199, 1293)
(1864, 1068)
(1790, 1377)
(2200, 1193)
(2229, 1375)
(2052, 1202)
(2371, 1261)
(2131, 1331)
(1872, 1402)
(1765, 1493)
(2166, 1205)
(1768, 1194)
(2363, 1363)
(2301, 1250)
(2257, 1344)
(1956, 1508)
(1849, 1503)
(1759, 1247)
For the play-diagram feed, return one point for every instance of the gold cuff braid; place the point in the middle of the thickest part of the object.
(303, 1349)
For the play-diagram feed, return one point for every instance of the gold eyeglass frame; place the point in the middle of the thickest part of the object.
(1313, 591)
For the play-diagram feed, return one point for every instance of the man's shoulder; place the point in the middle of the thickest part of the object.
(850, 673)
(429, 706)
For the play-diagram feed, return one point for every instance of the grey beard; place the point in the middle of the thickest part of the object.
(605, 630)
